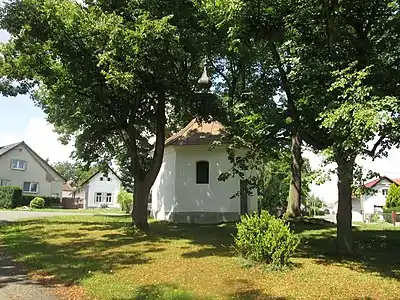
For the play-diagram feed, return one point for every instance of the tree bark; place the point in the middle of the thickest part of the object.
(144, 180)
(344, 217)
(294, 200)
(139, 211)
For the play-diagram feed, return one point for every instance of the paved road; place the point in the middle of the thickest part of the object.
(14, 283)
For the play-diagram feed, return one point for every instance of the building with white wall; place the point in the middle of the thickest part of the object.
(100, 190)
(21, 166)
(374, 202)
(187, 189)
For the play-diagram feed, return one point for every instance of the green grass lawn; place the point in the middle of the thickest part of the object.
(91, 210)
(107, 260)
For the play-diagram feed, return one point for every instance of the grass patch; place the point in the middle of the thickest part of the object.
(111, 262)
(80, 210)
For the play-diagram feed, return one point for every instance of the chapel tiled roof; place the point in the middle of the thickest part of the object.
(197, 133)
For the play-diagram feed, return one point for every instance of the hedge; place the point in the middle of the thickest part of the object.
(48, 201)
(10, 196)
(390, 209)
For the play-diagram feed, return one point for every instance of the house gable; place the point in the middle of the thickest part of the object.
(33, 170)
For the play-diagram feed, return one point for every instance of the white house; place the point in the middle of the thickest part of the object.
(374, 203)
(187, 187)
(23, 167)
(100, 190)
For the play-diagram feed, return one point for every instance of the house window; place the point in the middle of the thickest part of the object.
(108, 197)
(378, 209)
(98, 197)
(5, 182)
(384, 192)
(202, 172)
(108, 179)
(101, 178)
(31, 187)
(17, 164)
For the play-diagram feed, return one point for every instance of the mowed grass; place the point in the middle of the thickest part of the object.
(109, 261)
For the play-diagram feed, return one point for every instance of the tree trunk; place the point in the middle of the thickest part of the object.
(139, 211)
(144, 180)
(343, 217)
(294, 200)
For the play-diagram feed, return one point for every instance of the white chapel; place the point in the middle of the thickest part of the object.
(187, 189)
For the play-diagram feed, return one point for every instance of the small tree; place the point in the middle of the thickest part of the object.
(125, 199)
(393, 197)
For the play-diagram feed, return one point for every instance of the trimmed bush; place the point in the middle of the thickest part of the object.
(10, 196)
(37, 202)
(125, 199)
(48, 201)
(265, 239)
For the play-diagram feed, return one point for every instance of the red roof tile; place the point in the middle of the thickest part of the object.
(377, 180)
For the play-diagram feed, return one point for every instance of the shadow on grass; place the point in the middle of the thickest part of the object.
(173, 292)
(86, 246)
(84, 253)
(376, 249)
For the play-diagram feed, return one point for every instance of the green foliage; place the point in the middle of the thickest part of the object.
(37, 202)
(393, 196)
(105, 74)
(10, 196)
(48, 201)
(76, 173)
(389, 210)
(126, 200)
(265, 239)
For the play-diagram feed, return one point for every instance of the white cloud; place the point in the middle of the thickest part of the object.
(39, 135)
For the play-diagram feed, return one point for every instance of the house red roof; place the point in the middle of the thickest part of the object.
(377, 180)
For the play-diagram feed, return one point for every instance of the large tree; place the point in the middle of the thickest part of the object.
(337, 67)
(104, 72)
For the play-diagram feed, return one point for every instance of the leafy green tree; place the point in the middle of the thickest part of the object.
(125, 199)
(393, 196)
(105, 72)
(337, 80)
(274, 179)
(76, 173)
(66, 169)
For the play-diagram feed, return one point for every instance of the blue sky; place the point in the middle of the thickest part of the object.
(21, 120)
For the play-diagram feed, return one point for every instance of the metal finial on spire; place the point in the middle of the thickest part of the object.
(204, 81)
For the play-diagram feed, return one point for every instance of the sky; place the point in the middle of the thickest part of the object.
(21, 120)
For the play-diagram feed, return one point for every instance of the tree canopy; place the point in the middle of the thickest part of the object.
(105, 73)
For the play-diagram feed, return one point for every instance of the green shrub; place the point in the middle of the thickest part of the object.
(48, 201)
(266, 239)
(393, 196)
(125, 199)
(390, 209)
(37, 202)
(10, 196)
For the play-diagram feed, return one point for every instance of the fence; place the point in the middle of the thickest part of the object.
(383, 218)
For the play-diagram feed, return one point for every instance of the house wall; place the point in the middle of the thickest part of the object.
(95, 185)
(356, 211)
(163, 190)
(50, 184)
(204, 203)
(371, 202)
